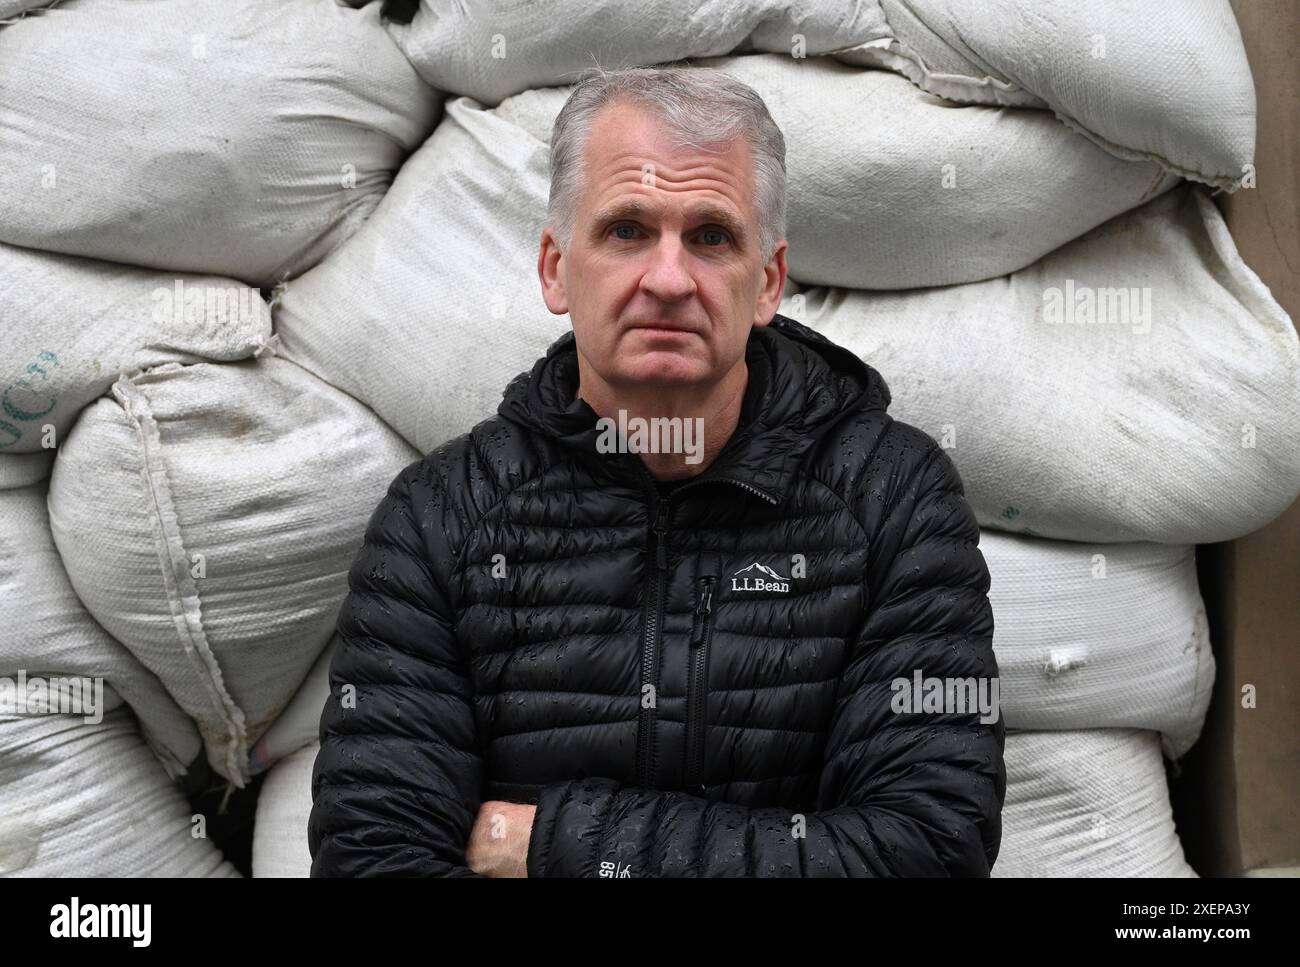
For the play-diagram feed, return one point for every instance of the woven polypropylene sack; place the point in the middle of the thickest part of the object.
(1094, 636)
(1088, 804)
(1167, 82)
(283, 808)
(492, 49)
(12, 8)
(24, 469)
(89, 800)
(298, 725)
(72, 325)
(243, 138)
(1138, 384)
(45, 630)
(434, 305)
(208, 516)
(892, 188)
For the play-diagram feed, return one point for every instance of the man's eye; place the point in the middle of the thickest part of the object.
(625, 228)
(710, 233)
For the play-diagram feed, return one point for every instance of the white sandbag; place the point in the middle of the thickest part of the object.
(83, 800)
(492, 49)
(207, 516)
(283, 808)
(235, 137)
(434, 305)
(46, 631)
(1088, 804)
(1094, 636)
(892, 188)
(1138, 384)
(72, 325)
(10, 9)
(299, 724)
(1167, 82)
(24, 469)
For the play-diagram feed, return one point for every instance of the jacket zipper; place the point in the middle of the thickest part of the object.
(697, 692)
(650, 646)
(654, 617)
(731, 480)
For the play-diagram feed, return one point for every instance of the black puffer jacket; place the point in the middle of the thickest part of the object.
(519, 593)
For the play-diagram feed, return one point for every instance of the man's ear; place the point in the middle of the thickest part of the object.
(550, 270)
(769, 299)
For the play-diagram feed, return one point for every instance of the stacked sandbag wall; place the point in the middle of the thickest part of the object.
(256, 256)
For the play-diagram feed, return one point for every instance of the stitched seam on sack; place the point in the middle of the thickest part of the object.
(182, 592)
(1136, 154)
(909, 64)
(903, 60)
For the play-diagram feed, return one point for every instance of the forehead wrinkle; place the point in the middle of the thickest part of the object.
(714, 171)
(631, 177)
(621, 155)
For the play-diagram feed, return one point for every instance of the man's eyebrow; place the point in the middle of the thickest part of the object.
(701, 213)
(620, 210)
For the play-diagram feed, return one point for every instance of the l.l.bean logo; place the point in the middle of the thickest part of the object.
(23, 400)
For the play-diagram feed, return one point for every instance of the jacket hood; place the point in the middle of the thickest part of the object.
(800, 384)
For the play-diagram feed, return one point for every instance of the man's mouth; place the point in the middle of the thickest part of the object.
(665, 327)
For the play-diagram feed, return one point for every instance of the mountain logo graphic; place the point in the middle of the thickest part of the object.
(759, 577)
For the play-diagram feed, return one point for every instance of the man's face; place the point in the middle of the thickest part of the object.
(662, 278)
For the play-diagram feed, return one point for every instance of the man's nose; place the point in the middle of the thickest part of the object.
(668, 276)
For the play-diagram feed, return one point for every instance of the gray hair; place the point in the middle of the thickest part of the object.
(699, 105)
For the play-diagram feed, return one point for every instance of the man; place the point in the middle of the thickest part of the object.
(567, 651)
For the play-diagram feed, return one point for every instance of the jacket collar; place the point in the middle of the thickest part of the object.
(799, 384)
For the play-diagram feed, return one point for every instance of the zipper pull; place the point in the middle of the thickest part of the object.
(702, 610)
(661, 524)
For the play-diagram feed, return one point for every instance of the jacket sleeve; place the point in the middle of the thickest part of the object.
(398, 779)
(901, 793)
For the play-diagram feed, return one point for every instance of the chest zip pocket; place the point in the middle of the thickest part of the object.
(697, 690)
